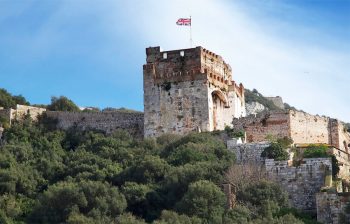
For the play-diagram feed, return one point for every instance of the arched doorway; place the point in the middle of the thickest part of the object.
(219, 102)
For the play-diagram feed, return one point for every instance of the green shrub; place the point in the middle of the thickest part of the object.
(316, 151)
(276, 152)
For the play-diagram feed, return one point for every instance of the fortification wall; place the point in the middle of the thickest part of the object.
(343, 162)
(180, 109)
(342, 137)
(301, 127)
(107, 122)
(331, 206)
(306, 128)
(250, 152)
(258, 128)
(23, 110)
(301, 182)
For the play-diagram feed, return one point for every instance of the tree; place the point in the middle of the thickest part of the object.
(62, 103)
(128, 218)
(170, 217)
(267, 196)
(238, 215)
(136, 196)
(89, 198)
(9, 101)
(242, 175)
(205, 200)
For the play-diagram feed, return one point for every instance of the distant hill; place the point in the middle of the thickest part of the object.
(256, 102)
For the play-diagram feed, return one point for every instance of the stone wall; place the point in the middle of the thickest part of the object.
(301, 182)
(301, 127)
(22, 110)
(189, 90)
(307, 129)
(257, 128)
(249, 152)
(331, 206)
(342, 137)
(107, 122)
(343, 162)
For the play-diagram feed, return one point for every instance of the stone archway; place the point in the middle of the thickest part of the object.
(219, 101)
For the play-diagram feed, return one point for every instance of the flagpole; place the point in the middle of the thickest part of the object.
(190, 31)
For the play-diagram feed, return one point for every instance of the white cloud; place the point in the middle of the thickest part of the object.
(308, 76)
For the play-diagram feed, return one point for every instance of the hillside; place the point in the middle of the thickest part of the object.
(256, 102)
(52, 176)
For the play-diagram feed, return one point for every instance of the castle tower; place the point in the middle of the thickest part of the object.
(188, 90)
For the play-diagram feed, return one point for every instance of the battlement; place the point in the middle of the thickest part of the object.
(188, 65)
(189, 90)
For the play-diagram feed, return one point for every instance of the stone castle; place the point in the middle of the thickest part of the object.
(189, 90)
(192, 90)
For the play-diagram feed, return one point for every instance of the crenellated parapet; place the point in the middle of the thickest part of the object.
(189, 65)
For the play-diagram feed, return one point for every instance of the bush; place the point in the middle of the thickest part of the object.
(276, 152)
(9, 101)
(316, 151)
(204, 200)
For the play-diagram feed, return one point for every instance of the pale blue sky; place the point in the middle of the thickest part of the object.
(93, 51)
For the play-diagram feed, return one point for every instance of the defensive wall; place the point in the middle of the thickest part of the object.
(301, 182)
(20, 112)
(249, 152)
(301, 127)
(107, 122)
(331, 207)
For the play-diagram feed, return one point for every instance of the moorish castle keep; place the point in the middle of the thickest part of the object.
(189, 90)
(192, 90)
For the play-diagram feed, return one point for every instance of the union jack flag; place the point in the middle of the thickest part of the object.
(184, 22)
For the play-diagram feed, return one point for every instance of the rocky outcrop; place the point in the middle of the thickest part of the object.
(254, 108)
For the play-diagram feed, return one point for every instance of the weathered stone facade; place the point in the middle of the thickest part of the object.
(331, 207)
(21, 111)
(189, 90)
(301, 127)
(249, 152)
(107, 122)
(301, 182)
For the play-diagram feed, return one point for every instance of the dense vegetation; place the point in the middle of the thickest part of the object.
(51, 176)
